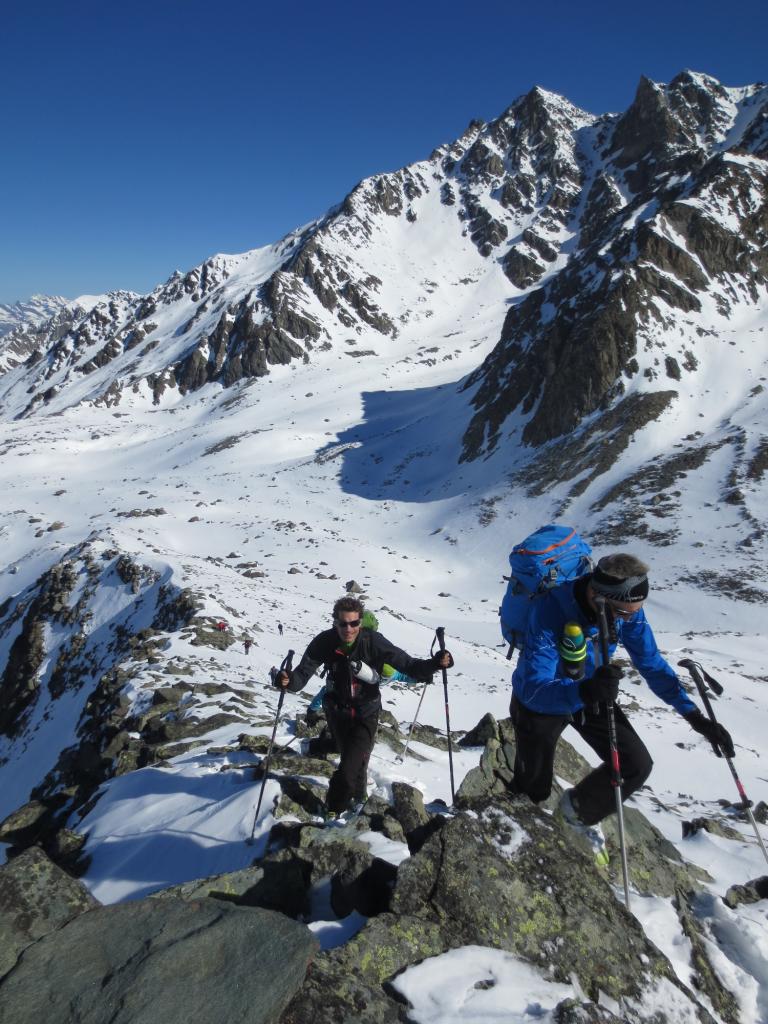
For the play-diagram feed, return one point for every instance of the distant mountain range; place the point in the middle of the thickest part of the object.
(22, 319)
(34, 311)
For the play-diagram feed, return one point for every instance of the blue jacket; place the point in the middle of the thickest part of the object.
(538, 682)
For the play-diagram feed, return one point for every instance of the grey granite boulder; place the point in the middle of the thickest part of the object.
(168, 961)
(36, 897)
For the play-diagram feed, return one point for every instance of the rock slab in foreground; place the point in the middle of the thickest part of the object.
(36, 897)
(161, 960)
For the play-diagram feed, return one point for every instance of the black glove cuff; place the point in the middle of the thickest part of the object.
(697, 720)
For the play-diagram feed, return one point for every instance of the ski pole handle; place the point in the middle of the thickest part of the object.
(603, 623)
(602, 620)
(287, 664)
(701, 686)
(605, 655)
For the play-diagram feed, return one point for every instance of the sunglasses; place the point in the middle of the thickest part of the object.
(621, 612)
(349, 624)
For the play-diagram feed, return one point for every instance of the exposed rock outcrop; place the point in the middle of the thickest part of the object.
(169, 960)
(62, 645)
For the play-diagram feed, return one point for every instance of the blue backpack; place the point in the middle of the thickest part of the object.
(550, 556)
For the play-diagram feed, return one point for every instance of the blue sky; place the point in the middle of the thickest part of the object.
(143, 137)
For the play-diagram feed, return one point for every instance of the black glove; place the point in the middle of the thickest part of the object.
(436, 657)
(712, 731)
(602, 686)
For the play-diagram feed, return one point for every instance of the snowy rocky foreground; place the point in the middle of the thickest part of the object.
(142, 745)
(498, 913)
(376, 399)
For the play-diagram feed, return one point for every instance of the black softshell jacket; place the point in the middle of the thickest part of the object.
(371, 648)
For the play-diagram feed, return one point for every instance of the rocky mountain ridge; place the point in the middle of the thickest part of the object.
(623, 246)
(673, 226)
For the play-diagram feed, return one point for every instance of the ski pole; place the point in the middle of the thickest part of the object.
(284, 667)
(701, 679)
(401, 757)
(616, 779)
(440, 635)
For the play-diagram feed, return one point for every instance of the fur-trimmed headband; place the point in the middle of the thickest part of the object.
(631, 589)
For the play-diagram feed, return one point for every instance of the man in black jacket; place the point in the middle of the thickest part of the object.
(351, 705)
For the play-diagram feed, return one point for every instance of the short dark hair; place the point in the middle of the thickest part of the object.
(622, 565)
(348, 604)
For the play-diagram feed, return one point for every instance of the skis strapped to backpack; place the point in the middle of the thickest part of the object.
(546, 558)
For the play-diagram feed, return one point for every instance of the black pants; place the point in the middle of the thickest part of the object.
(354, 737)
(536, 737)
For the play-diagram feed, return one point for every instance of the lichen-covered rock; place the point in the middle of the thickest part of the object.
(655, 866)
(408, 804)
(161, 730)
(493, 776)
(23, 826)
(502, 874)
(750, 892)
(408, 808)
(36, 897)
(507, 876)
(307, 796)
(368, 891)
(334, 850)
(347, 985)
(430, 735)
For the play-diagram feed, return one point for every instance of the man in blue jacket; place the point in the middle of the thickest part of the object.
(547, 695)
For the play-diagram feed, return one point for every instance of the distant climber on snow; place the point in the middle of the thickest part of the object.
(559, 681)
(354, 656)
